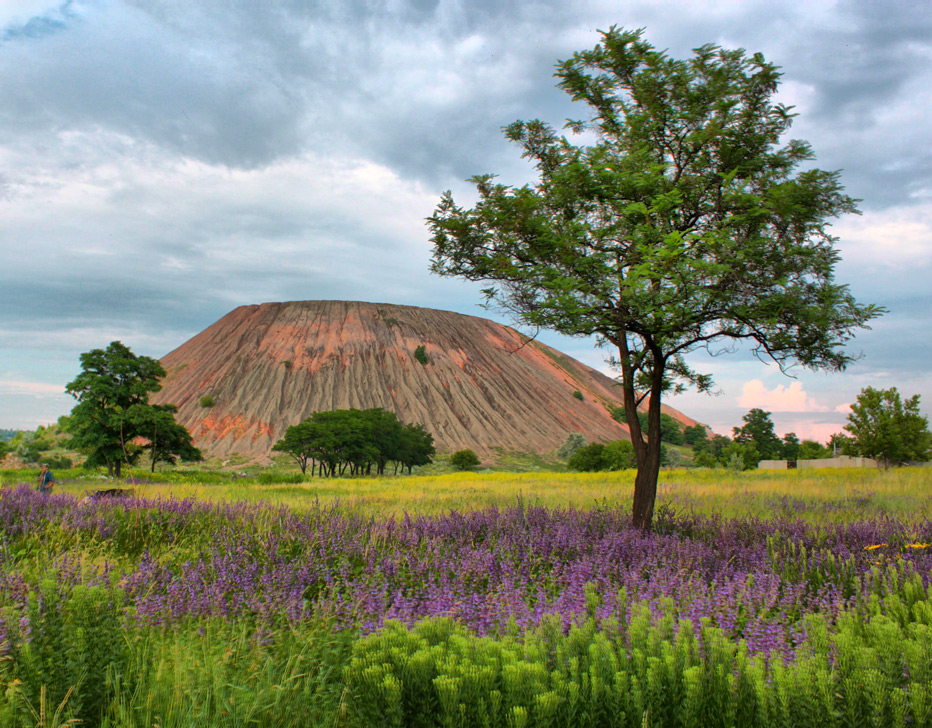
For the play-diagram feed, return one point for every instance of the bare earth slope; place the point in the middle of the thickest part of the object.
(270, 366)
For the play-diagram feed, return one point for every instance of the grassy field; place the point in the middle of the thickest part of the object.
(818, 495)
(470, 599)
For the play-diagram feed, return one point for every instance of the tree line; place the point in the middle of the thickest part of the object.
(354, 442)
(881, 425)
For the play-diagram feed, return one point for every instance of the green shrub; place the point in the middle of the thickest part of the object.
(464, 460)
(207, 401)
(75, 646)
(420, 353)
(273, 477)
(571, 444)
(588, 459)
(578, 395)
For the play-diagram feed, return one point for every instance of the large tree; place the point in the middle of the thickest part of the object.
(884, 427)
(113, 420)
(685, 224)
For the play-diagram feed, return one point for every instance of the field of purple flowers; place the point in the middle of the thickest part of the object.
(778, 592)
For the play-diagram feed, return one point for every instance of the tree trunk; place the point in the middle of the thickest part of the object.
(646, 450)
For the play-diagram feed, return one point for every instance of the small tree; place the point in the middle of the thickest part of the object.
(884, 427)
(464, 460)
(588, 459)
(685, 223)
(790, 447)
(695, 434)
(164, 438)
(417, 447)
(298, 443)
(573, 442)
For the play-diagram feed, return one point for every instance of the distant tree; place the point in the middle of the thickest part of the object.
(588, 459)
(688, 220)
(812, 450)
(111, 382)
(670, 431)
(164, 438)
(789, 448)
(464, 460)
(619, 455)
(578, 395)
(573, 442)
(740, 455)
(758, 428)
(335, 441)
(4, 449)
(298, 443)
(417, 447)
(884, 427)
(207, 401)
(694, 434)
(705, 459)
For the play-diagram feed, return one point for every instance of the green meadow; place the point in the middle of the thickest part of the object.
(467, 599)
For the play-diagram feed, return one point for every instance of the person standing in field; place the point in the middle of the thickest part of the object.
(45, 480)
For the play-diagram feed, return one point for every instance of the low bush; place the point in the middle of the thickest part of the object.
(207, 401)
(464, 460)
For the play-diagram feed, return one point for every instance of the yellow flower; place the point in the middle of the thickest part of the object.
(875, 546)
(917, 545)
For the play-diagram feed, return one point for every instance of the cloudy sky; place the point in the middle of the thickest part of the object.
(163, 162)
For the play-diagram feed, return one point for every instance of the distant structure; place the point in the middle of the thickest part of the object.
(842, 461)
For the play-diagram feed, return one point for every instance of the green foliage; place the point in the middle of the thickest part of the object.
(578, 395)
(58, 462)
(694, 435)
(75, 648)
(588, 459)
(639, 672)
(684, 222)
(420, 354)
(705, 459)
(617, 455)
(790, 447)
(670, 431)
(164, 438)
(207, 401)
(110, 384)
(740, 455)
(758, 430)
(573, 442)
(812, 450)
(353, 439)
(884, 427)
(464, 460)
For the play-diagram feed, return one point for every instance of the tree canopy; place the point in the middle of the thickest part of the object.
(758, 429)
(884, 427)
(335, 441)
(685, 225)
(113, 420)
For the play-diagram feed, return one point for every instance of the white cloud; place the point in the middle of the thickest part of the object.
(780, 399)
(34, 389)
(896, 237)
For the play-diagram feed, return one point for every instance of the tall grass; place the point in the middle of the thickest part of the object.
(814, 495)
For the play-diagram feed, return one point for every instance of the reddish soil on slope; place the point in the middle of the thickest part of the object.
(485, 386)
